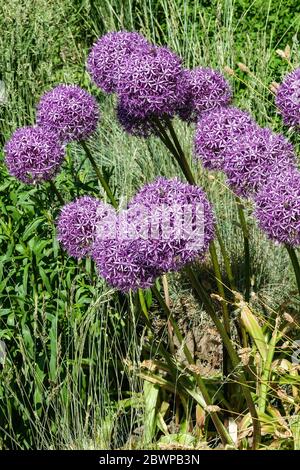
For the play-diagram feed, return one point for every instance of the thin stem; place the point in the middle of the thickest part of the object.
(167, 301)
(226, 319)
(226, 260)
(214, 258)
(203, 297)
(56, 192)
(187, 171)
(172, 148)
(100, 177)
(247, 268)
(225, 436)
(295, 263)
(143, 303)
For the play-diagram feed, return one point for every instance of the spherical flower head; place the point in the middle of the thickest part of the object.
(278, 208)
(257, 156)
(288, 99)
(207, 89)
(108, 54)
(216, 132)
(121, 263)
(33, 154)
(70, 111)
(150, 85)
(176, 223)
(132, 125)
(78, 224)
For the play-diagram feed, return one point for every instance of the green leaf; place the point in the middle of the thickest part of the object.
(295, 428)
(254, 330)
(31, 228)
(53, 350)
(151, 392)
(45, 279)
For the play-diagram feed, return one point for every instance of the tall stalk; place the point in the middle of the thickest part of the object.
(223, 433)
(203, 297)
(56, 192)
(100, 177)
(247, 265)
(295, 264)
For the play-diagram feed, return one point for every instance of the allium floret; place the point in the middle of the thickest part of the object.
(108, 55)
(70, 111)
(121, 264)
(33, 154)
(132, 125)
(278, 208)
(288, 98)
(151, 85)
(78, 224)
(216, 132)
(181, 219)
(257, 156)
(207, 89)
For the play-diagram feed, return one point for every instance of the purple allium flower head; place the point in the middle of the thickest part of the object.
(132, 125)
(78, 223)
(216, 132)
(288, 98)
(109, 53)
(207, 89)
(176, 215)
(257, 156)
(151, 84)
(33, 154)
(121, 263)
(278, 208)
(70, 111)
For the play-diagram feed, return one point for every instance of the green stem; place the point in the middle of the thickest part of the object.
(225, 436)
(226, 319)
(172, 148)
(203, 297)
(295, 263)
(247, 268)
(56, 192)
(143, 303)
(226, 260)
(100, 177)
(214, 258)
(187, 171)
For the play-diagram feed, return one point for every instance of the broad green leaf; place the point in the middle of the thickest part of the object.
(255, 331)
(151, 392)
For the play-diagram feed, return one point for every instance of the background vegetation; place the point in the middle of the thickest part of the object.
(72, 375)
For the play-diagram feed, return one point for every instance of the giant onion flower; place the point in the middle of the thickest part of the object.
(177, 221)
(109, 53)
(79, 222)
(206, 89)
(150, 84)
(70, 111)
(122, 265)
(278, 208)
(288, 98)
(216, 132)
(257, 156)
(33, 154)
